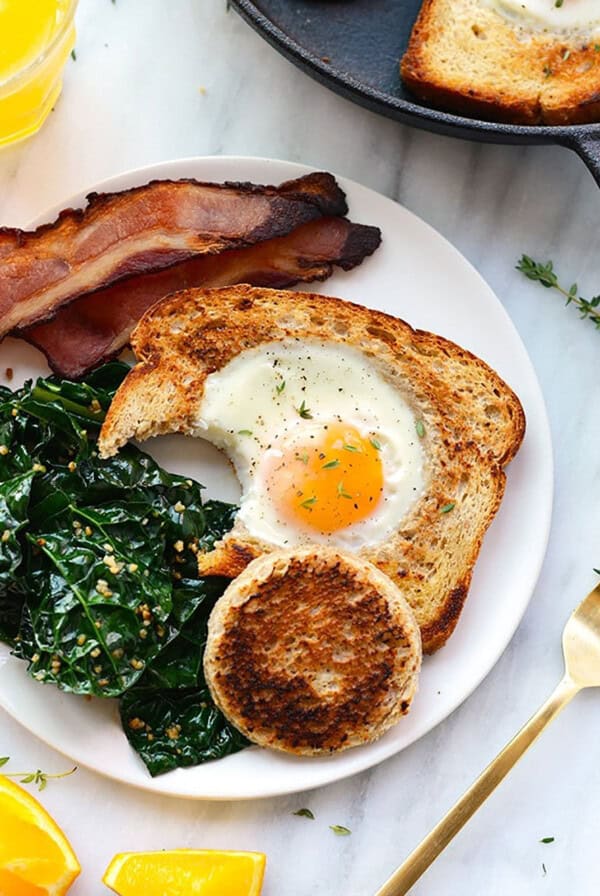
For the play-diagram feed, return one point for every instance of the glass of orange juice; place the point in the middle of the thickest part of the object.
(36, 37)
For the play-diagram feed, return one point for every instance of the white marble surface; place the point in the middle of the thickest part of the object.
(132, 98)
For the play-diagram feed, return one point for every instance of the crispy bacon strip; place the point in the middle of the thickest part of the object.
(98, 326)
(147, 229)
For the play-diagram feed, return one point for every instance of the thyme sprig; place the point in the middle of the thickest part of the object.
(546, 276)
(37, 777)
(304, 411)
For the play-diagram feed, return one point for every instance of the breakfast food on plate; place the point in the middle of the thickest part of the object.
(521, 61)
(370, 457)
(186, 872)
(312, 651)
(95, 327)
(346, 427)
(146, 229)
(36, 858)
(137, 630)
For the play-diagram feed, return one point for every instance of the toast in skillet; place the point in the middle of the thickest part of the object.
(494, 59)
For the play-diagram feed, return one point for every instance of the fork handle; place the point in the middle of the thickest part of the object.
(429, 849)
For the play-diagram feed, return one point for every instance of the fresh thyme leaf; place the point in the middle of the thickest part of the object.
(545, 275)
(341, 491)
(547, 840)
(448, 507)
(304, 813)
(304, 411)
(376, 444)
(279, 388)
(4, 760)
(244, 432)
(420, 427)
(331, 465)
(308, 504)
(340, 830)
(350, 448)
(303, 458)
(536, 270)
(74, 55)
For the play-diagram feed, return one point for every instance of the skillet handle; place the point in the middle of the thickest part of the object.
(587, 146)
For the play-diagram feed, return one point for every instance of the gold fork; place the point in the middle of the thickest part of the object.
(581, 650)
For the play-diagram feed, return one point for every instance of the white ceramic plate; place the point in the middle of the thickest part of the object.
(415, 275)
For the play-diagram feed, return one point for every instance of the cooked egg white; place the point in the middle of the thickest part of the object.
(548, 15)
(326, 450)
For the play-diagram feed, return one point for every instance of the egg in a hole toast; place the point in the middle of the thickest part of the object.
(347, 428)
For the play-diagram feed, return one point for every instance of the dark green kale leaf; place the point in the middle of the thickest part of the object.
(180, 663)
(176, 728)
(169, 717)
(55, 417)
(219, 518)
(72, 407)
(12, 605)
(16, 476)
(14, 499)
(99, 596)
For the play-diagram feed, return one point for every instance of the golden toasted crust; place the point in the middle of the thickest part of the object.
(472, 424)
(571, 93)
(193, 333)
(312, 651)
(467, 57)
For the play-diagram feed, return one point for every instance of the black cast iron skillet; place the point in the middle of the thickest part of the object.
(353, 47)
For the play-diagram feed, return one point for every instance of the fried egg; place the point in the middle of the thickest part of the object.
(325, 449)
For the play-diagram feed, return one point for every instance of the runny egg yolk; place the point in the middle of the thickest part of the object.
(328, 479)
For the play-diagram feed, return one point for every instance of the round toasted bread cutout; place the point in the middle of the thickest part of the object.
(311, 651)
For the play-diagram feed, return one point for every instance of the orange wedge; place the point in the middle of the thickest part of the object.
(36, 858)
(186, 872)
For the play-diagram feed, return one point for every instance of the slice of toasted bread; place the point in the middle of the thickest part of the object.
(470, 58)
(312, 651)
(472, 422)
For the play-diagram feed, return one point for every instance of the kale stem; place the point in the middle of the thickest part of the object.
(38, 393)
